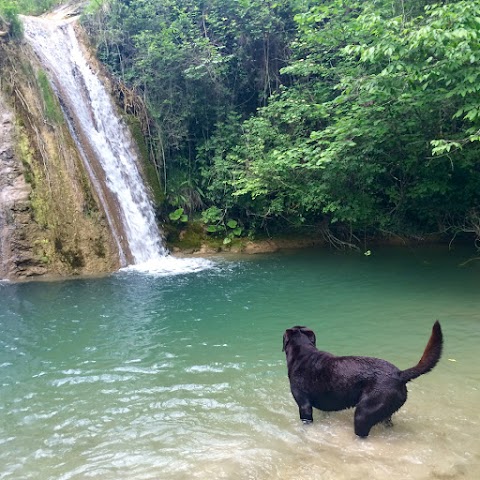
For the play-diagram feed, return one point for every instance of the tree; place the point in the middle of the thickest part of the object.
(352, 117)
(196, 65)
(350, 142)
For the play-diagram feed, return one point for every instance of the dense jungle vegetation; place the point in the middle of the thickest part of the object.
(341, 117)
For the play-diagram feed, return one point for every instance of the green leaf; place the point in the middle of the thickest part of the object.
(176, 215)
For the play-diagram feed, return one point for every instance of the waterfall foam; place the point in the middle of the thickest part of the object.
(104, 142)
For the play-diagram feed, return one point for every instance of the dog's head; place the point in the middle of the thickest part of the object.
(299, 333)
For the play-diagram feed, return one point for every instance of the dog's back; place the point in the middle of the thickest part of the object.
(335, 383)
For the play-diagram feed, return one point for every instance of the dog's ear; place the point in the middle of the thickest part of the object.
(311, 335)
(286, 338)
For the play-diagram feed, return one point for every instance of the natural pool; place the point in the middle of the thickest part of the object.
(139, 376)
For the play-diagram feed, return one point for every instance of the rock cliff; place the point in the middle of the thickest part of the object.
(51, 221)
(16, 252)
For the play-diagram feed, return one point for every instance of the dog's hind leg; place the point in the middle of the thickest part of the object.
(362, 422)
(374, 408)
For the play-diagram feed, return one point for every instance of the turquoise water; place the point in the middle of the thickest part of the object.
(139, 376)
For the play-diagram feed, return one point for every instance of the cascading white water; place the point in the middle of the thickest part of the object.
(106, 146)
(94, 120)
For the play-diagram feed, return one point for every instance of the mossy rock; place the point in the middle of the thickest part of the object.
(190, 237)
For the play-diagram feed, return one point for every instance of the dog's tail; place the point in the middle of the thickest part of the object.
(430, 357)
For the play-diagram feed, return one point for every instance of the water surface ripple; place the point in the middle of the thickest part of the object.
(139, 376)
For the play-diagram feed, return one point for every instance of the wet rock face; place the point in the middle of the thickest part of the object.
(16, 253)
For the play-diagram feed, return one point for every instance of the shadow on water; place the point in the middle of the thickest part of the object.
(144, 376)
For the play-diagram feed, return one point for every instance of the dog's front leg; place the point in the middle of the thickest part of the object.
(306, 414)
(304, 406)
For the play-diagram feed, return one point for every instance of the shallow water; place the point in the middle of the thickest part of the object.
(140, 376)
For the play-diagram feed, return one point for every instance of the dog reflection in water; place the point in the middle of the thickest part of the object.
(375, 387)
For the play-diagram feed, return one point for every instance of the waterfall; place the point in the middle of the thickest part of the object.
(102, 137)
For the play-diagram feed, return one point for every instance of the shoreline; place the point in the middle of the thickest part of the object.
(250, 248)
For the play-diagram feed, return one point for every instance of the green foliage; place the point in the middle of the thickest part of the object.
(94, 7)
(218, 224)
(358, 117)
(350, 141)
(212, 215)
(10, 9)
(27, 7)
(178, 216)
(197, 65)
(9, 20)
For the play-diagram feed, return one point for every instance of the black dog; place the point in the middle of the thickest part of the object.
(376, 387)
